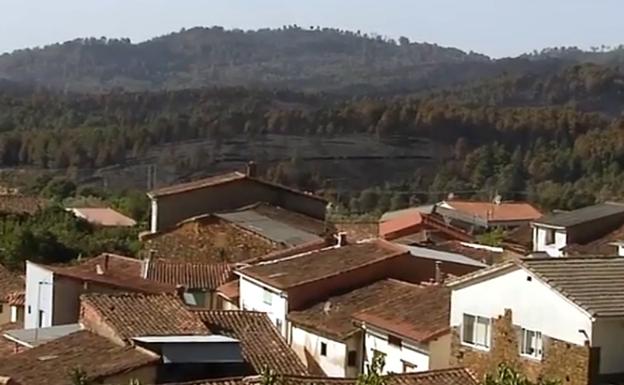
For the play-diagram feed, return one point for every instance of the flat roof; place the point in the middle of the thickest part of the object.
(35, 337)
(185, 339)
(443, 256)
(582, 215)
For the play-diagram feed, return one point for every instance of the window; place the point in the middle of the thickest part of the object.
(476, 331)
(352, 358)
(40, 318)
(408, 367)
(278, 324)
(28, 309)
(549, 237)
(267, 297)
(531, 344)
(323, 349)
(395, 341)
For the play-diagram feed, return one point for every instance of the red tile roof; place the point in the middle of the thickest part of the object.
(103, 217)
(51, 363)
(197, 184)
(7, 347)
(11, 282)
(332, 317)
(117, 271)
(206, 276)
(312, 266)
(140, 315)
(406, 219)
(230, 290)
(16, 299)
(419, 315)
(451, 376)
(261, 343)
(505, 211)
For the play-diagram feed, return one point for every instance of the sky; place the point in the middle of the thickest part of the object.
(498, 28)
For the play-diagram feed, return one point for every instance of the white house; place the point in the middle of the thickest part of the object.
(411, 330)
(552, 234)
(563, 317)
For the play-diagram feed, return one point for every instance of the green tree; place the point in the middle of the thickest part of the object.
(506, 375)
(372, 375)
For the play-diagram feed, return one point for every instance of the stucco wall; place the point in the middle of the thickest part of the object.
(554, 249)
(171, 209)
(440, 352)
(609, 336)
(5, 313)
(395, 355)
(333, 364)
(34, 275)
(552, 314)
(252, 298)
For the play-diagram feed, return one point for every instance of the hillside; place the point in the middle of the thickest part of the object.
(305, 59)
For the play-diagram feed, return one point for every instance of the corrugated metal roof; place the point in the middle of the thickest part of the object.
(443, 256)
(582, 215)
(269, 228)
(36, 337)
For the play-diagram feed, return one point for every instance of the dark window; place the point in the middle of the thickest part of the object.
(396, 341)
(40, 318)
(323, 349)
(28, 309)
(408, 367)
(550, 237)
(352, 358)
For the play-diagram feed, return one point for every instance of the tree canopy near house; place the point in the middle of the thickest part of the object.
(506, 375)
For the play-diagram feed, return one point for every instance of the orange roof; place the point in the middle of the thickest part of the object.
(103, 217)
(505, 211)
(407, 219)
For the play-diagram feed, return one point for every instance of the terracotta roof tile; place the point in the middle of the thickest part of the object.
(505, 211)
(136, 315)
(103, 216)
(230, 290)
(419, 314)
(333, 316)
(197, 184)
(192, 276)
(50, 363)
(7, 347)
(451, 376)
(311, 266)
(19, 204)
(16, 299)
(10, 282)
(261, 343)
(118, 272)
(478, 254)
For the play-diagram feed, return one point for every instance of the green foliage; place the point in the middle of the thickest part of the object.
(372, 375)
(270, 377)
(493, 237)
(506, 375)
(79, 377)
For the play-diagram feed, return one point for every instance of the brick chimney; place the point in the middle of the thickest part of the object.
(252, 169)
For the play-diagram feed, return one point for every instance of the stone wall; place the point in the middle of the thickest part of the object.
(569, 363)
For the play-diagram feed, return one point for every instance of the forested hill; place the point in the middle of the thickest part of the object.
(291, 57)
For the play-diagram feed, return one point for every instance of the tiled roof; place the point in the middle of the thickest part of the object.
(604, 245)
(8, 347)
(358, 231)
(104, 217)
(10, 282)
(140, 315)
(118, 271)
(332, 317)
(208, 239)
(485, 255)
(16, 299)
(261, 343)
(19, 204)
(197, 184)
(230, 290)
(419, 315)
(308, 267)
(451, 376)
(51, 363)
(583, 215)
(596, 284)
(504, 211)
(399, 220)
(206, 276)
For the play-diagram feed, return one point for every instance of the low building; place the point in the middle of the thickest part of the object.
(102, 216)
(11, 288)
(554, 318)
(173, 204)
(481, 216)
(326, 334)
(410, 330)
(555, 233)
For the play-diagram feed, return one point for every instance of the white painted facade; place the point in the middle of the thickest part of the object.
(334, 361)
(406, 358)
(256, 296)
(39, 299)
(534, 305)
(549, 240)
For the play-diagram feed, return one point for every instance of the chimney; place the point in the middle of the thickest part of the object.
(341, 238)
(439, 275)
(252, 169)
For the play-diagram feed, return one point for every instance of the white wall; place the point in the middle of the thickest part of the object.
(34, 275)
(415, 355)
(554, 249)
(154, 216)
(334, 364)
(534, 306)
(252, 298)
(609, 336)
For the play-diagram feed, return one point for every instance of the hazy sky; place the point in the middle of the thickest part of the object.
(495, 27)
